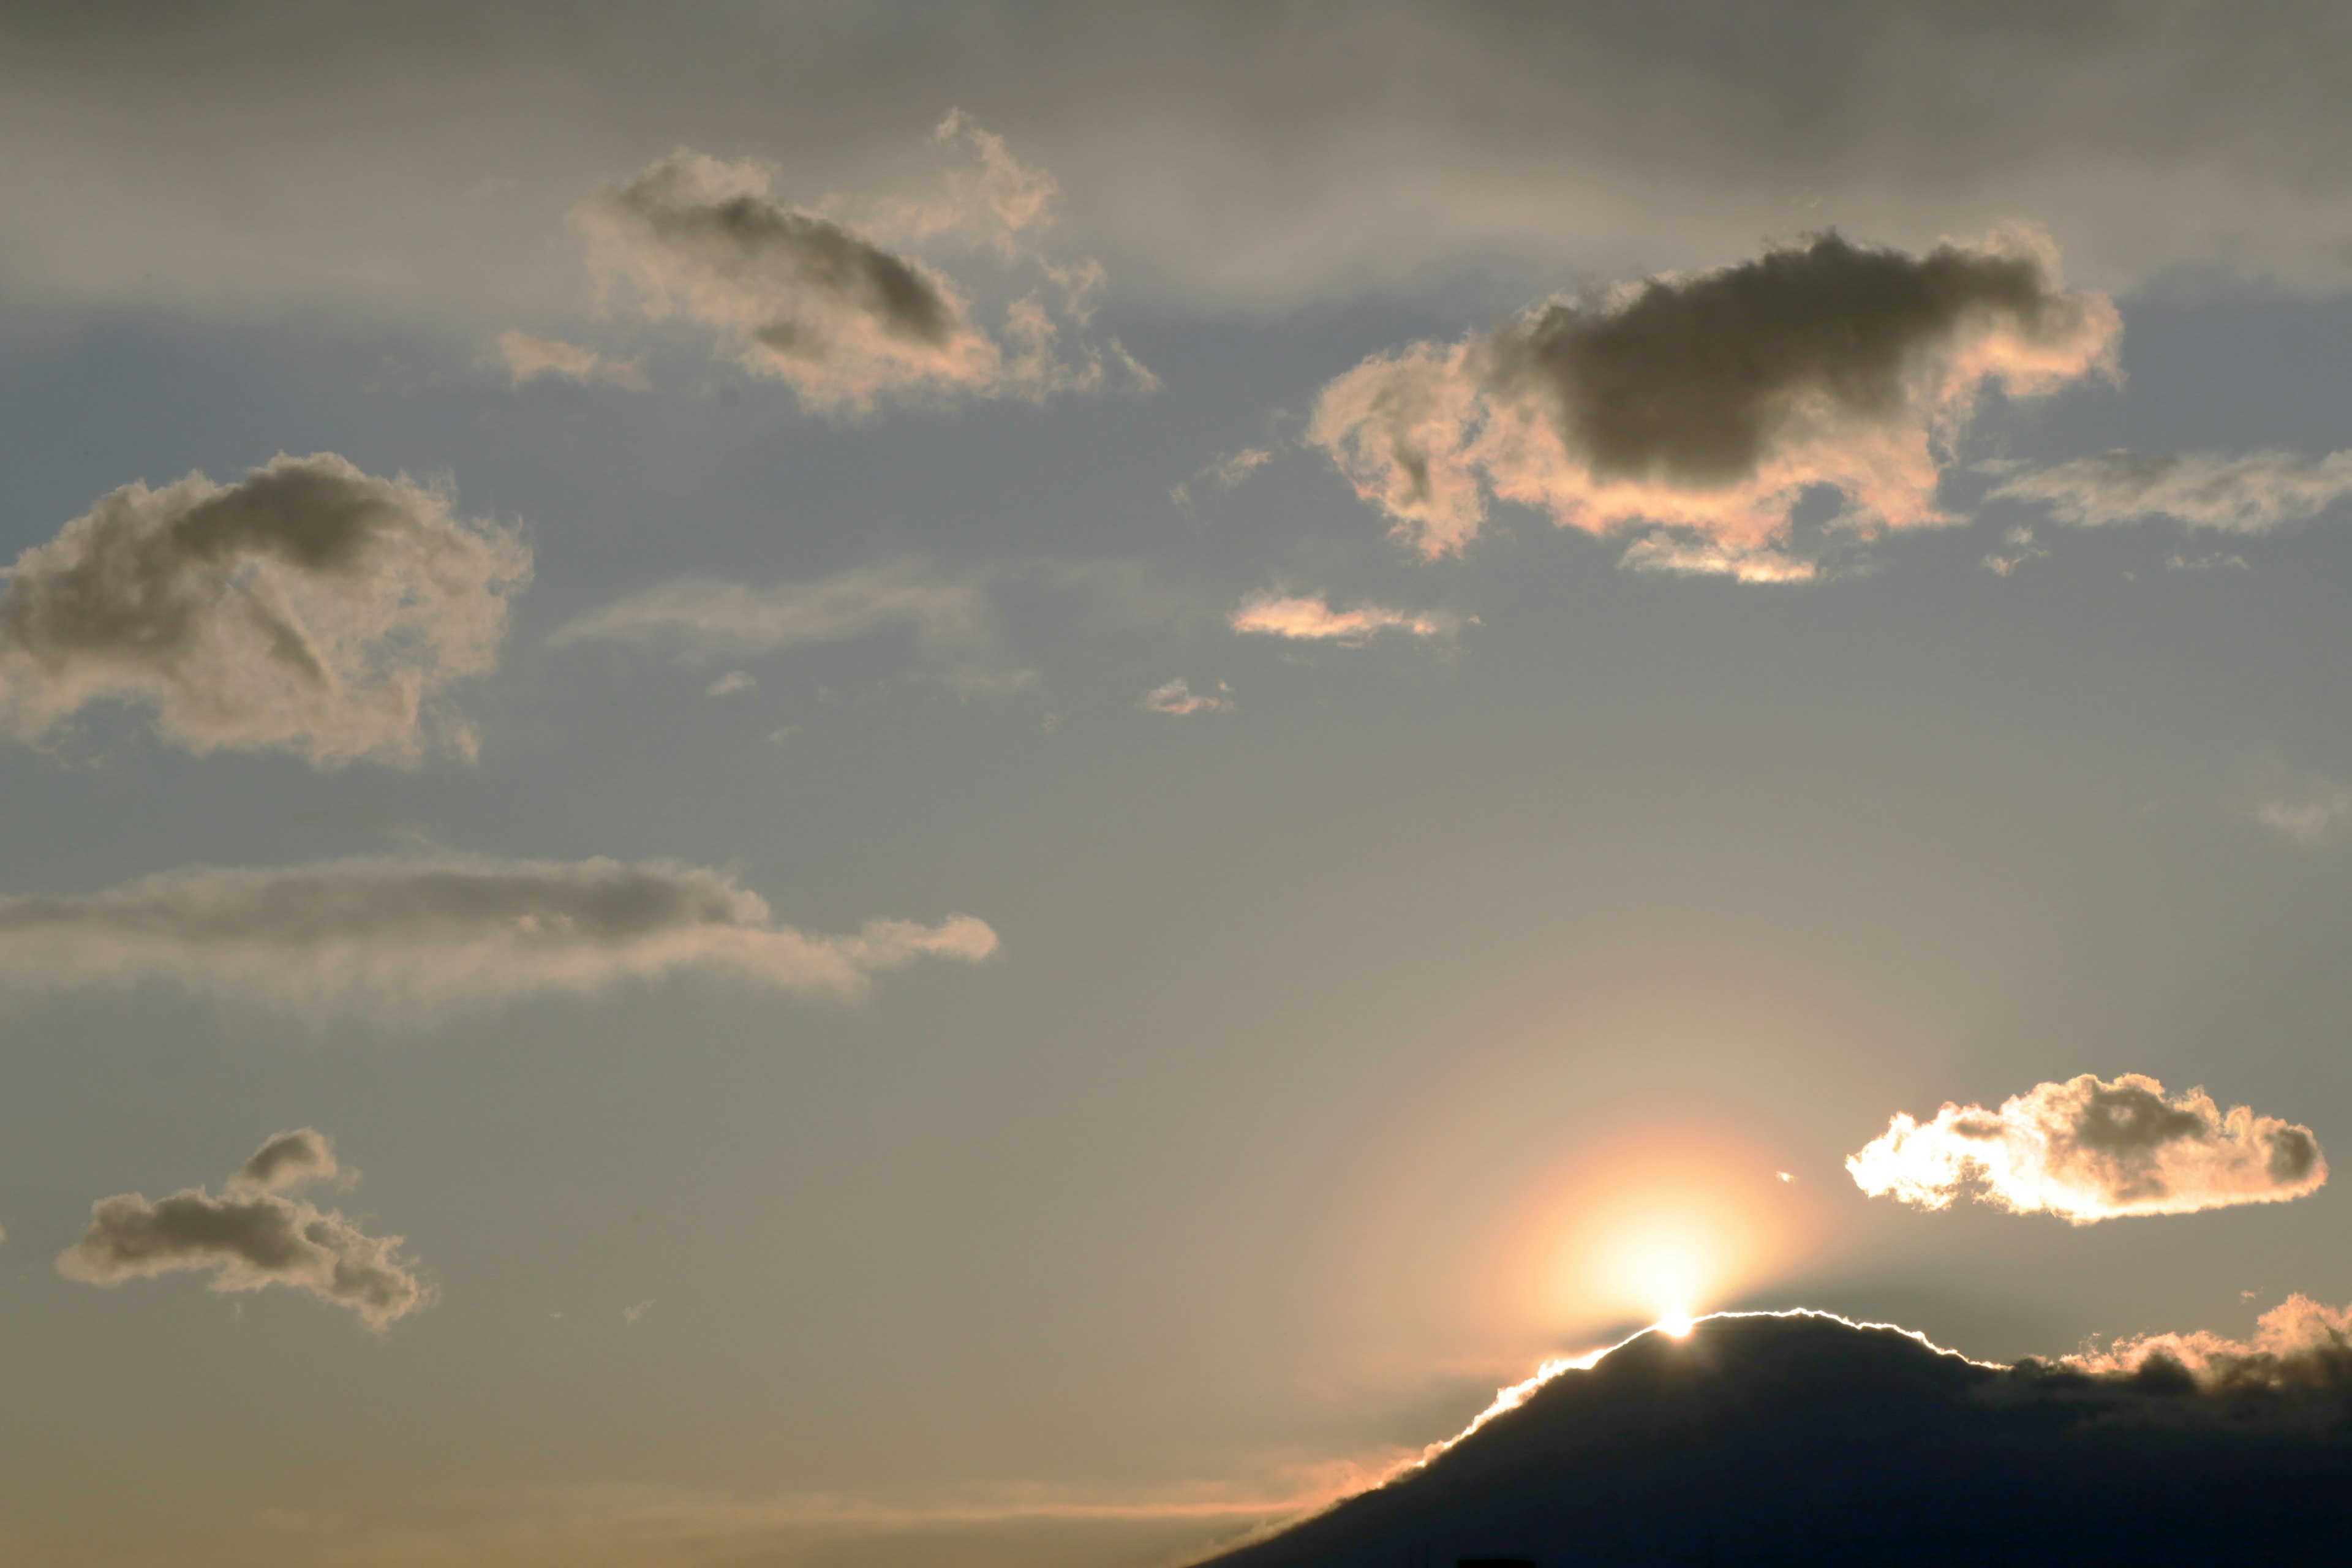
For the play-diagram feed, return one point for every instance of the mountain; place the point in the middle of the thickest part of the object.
(1804, 1441)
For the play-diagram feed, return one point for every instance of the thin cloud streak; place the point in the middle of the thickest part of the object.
(1178, 699)
(1300, 618)
(419, 937)
(306, 607)
(2256, 493)
(1695, 412)
(728, 617)
(527, 357)
(2087, 1150)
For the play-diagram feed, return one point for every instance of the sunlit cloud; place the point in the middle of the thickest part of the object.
(252, 1237)
(527, 357)
(406, 937)
(2249, 494)
(2088, 1150)
(832, 302)
(1693, 414)
(1178, 699)
(2291, 1332)
(1301, 617)
(306, 607)
(703, 617)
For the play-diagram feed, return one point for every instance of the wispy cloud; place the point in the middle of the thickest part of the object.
(1696, 412)
(1303, 617)
(528, 357)
(2250, 494)
(705, 616)
(252, 1237)
(308, 607)
(2305, 808)
(419, 936)
(2088, 1150)
(1178, 699)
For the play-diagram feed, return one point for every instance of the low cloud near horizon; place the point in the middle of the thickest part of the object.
(252, 1236)
(308, 607)
(416, 937)
(1691, 414)
(2087, 1150)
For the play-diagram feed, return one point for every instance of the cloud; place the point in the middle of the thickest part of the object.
(822, 303)
(734, 680)
(1178, 698)
(2252, 494)
(2297, 1330)
(252, 1237)
(2087, 1150)
(1298, 617)
(1695, 412)
(290, 1160)
(308, 607)
(714, 617)
(631, 1316)
(406, 937)
(527, 358)
(2308, 809)
(2022, 548)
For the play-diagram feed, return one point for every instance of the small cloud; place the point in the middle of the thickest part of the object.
(306, 607)
(631, 1316)
(253, 1236)
(2307, 809)
(1696, 414)
(734, 680)
(2022, 548)
(1300, 618)
(528, 357)
(974, 681)
(2087, 1150)
(1179, 698)
(1784, 1175)
(2252, 494)
(2180, 560)
(709, 617)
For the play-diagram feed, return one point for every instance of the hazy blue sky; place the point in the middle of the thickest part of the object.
(1020, 778)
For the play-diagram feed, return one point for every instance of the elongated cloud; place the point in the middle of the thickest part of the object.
(410, 937)
(2291, 1341)
(1298, 617)
(1179, 700)
(830, 307)
(728, 618)
(309, 607)
(2087, 1150)
(2249, 494)
(2308, 809)
(527, 357)
(252, 1237)
(1695, 412)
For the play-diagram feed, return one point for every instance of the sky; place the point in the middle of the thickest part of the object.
(986, 784)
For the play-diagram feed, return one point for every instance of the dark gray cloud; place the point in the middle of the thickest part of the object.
(419, 936)
(309, 606)
(1696, 412)
(289, 1160)
(2088, 1150)
(252, 1237)
(2250, 494)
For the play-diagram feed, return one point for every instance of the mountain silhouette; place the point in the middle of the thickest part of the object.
(1805, 1441)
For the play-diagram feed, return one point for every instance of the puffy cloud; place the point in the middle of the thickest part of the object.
(734, 680)
(2288, 1339)
(2250, 494)
(2087, 1150)
(1178, 699)
(2308, 809)
(822, 303)
(307, 607)
(711, 617)
(417, 936)
(1696, 412)
(252, 1237)
(1300, 618)
(528, 357)
(289, 1160)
